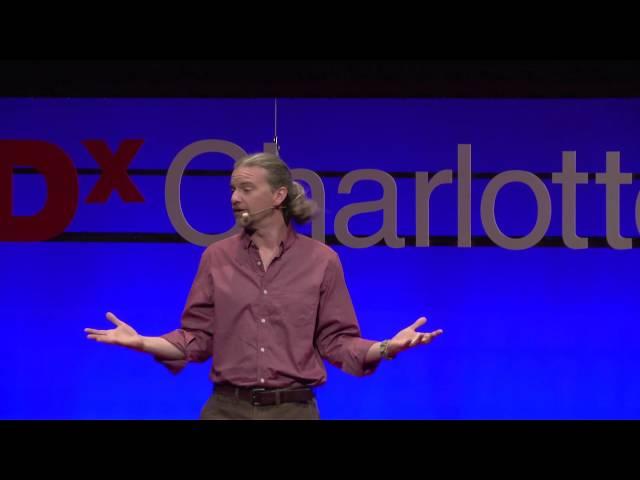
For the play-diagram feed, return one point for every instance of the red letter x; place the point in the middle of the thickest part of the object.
(114, 171)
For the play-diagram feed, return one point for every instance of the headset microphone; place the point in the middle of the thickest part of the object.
(245, 218)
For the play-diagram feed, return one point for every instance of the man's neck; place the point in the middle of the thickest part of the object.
(270, 236)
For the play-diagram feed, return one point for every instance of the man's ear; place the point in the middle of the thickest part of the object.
(280, 196)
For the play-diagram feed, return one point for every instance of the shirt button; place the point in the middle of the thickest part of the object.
(259, 262)
(262, 320)
(262, 380)
(264, 291)
(262, 349)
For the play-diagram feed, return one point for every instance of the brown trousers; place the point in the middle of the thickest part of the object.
(223, 407)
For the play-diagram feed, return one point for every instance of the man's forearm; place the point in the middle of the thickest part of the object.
(161, 348)
(373, 354)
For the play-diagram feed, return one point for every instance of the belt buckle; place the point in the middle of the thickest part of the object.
(254, 402)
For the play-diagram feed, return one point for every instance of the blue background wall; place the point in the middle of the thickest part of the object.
(546, 332)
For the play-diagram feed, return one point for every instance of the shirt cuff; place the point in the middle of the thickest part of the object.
(178, 339)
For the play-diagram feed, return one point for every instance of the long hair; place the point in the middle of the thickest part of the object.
(297, 205)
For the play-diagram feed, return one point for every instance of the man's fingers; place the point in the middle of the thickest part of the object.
(95, 332)
(427, 337)
(101, 339)
(113, 319)
(418, 323)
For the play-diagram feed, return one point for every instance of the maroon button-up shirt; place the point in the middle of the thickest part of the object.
(270, 328)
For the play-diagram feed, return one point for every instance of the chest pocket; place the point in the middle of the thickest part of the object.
(298, 309)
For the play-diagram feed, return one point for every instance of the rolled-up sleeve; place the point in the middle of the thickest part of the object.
(194, 338)
(338, 336)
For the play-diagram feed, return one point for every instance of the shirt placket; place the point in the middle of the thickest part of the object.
(262, 311)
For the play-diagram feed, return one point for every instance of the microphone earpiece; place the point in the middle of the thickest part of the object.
(245, 218)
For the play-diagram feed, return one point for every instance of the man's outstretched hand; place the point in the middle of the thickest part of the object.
(123, 335)
(409, 338)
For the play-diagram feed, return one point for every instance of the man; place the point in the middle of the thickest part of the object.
(268, 305)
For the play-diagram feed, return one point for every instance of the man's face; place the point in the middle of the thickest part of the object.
(251, 192)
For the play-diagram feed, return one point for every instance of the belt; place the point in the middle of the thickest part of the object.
(265, 396)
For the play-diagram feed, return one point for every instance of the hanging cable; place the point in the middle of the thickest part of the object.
(275, 125)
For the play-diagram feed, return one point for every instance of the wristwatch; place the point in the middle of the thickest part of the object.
(384, 347)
